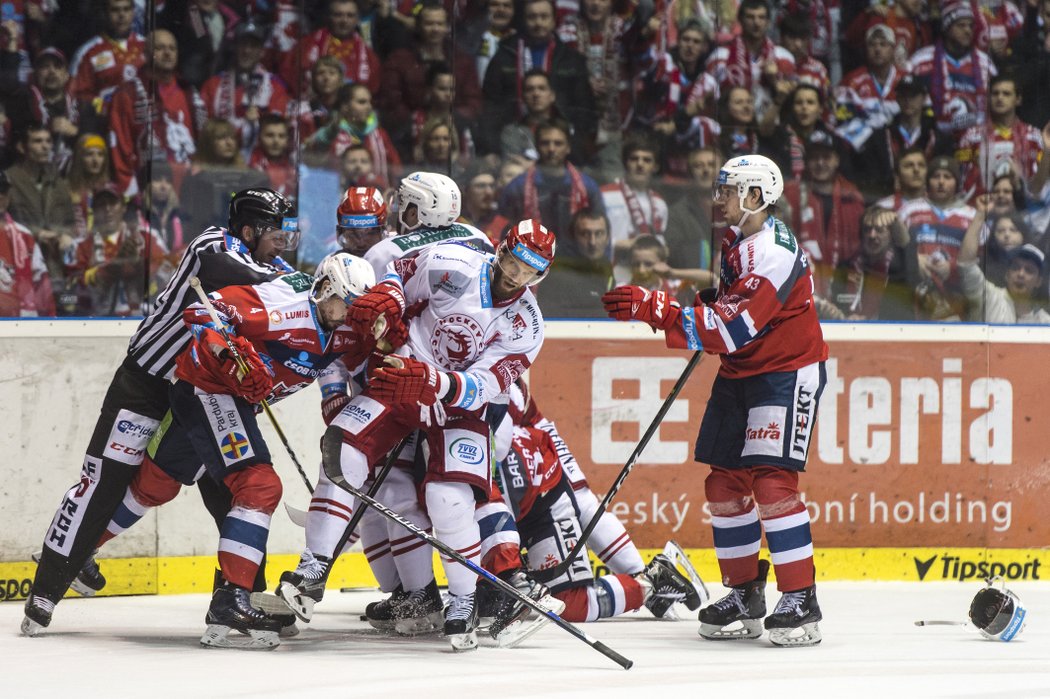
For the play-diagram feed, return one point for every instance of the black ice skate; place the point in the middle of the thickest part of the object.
(513, 620)
(38, 612)
(738, 614)
(89, 580)
(420, 612)
(278, 610)
(382, 614)
(231, 610)
(794, 620)
(667, 587)
(303, 588)
(461, 622)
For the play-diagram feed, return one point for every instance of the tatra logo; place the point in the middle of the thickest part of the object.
(770, 431)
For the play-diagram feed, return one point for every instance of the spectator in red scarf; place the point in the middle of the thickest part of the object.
(634, 208)
(355, 121)
(739, 129)
(904, 17)
(751, 60)
(438, 105)
(340, 38)
(273, 155)
(246, 91)
(797, 36)
(786, 132)
(538, 47)
(105, 61)
(826, 210)
(552, 189)
(50, 102)
(25, 286)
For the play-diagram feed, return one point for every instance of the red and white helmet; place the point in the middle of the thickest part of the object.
(361, 217)
(532, 243)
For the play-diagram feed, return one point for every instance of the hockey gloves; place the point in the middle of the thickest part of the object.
(406, 380)
(386, 302)
(635, 303)
(215, 359)
(332, 406)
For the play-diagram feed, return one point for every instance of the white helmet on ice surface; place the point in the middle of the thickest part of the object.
(348, 277)
(747, 171)
(997, 613)
(436, 197)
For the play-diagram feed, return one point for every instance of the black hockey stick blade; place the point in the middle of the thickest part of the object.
(560, 569)
(331, 448)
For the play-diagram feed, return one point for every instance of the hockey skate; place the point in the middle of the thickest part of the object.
(461, 622)
(738, 614)
(667, 587)
(381, 615)
(794, 620)
(303, 588)
(38, 612)
(420, 612)
(89, 579)
(231, 610)
(676, 555)
(513, 620)
(277, 609)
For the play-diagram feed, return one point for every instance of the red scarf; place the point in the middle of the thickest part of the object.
(738, 65)
(578, 198)
(343, 49)
(635, 210)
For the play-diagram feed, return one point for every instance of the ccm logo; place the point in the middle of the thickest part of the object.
(124, 449)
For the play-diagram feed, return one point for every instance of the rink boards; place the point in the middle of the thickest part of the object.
(928, 461)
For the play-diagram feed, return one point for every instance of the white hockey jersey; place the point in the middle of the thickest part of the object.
(456, 326)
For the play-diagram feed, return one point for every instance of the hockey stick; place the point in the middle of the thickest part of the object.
(937, 622)
(560, 569)
(196, 284)
(331, 446)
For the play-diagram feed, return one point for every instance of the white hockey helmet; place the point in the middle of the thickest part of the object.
(349, 276)
(437, 199)
(997, 612)
(747, 171)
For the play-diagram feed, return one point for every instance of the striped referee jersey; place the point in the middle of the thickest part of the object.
(218, 259)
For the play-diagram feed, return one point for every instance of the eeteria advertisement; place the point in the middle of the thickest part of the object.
(934, 444)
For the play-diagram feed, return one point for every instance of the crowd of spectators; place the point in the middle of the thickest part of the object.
(913, 137)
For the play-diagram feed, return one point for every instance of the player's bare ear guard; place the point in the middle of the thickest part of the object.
(997, 612)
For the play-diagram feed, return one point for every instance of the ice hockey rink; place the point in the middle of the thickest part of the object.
(148, 646)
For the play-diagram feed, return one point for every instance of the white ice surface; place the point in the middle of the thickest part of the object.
(148, 647)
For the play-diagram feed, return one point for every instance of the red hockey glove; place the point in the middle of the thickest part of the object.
(405, 380)
(332, 405)
(635, 303)
(384, 300)
(253, 386)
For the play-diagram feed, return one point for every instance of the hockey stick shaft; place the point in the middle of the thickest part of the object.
(631, 461)
(331, 448)
(195, 283)
(938, 622)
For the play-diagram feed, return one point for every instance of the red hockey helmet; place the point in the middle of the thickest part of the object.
(530, 242)
(360, 219)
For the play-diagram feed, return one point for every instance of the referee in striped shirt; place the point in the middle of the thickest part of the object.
(262, 224)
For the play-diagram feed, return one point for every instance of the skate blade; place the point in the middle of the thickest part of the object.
(218, 636)
(749, 629)
(525, 627)
(676, 554)
(300, 605)
(805, 635)
(463, 642)
(379, 624)
(82, 589)
(418, 626)
(30, 628)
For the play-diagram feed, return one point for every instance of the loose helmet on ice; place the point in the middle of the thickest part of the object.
(997, 613)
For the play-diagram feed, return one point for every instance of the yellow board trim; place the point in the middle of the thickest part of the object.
(187, 574)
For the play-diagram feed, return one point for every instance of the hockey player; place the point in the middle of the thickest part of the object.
(428, 205)
(478, 329)
(286, 331)
(756, 431)
(532, 480)
(360, 220)
(261, 225)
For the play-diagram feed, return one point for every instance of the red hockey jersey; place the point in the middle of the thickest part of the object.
(281, 322)
(763, 319)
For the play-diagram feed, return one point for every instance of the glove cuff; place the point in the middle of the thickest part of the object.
(444, 386)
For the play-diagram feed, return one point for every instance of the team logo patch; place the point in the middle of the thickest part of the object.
(456, 341)
(129, 436)
(765, 431)
(276, 317)
(466, 450)
(234, 446)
